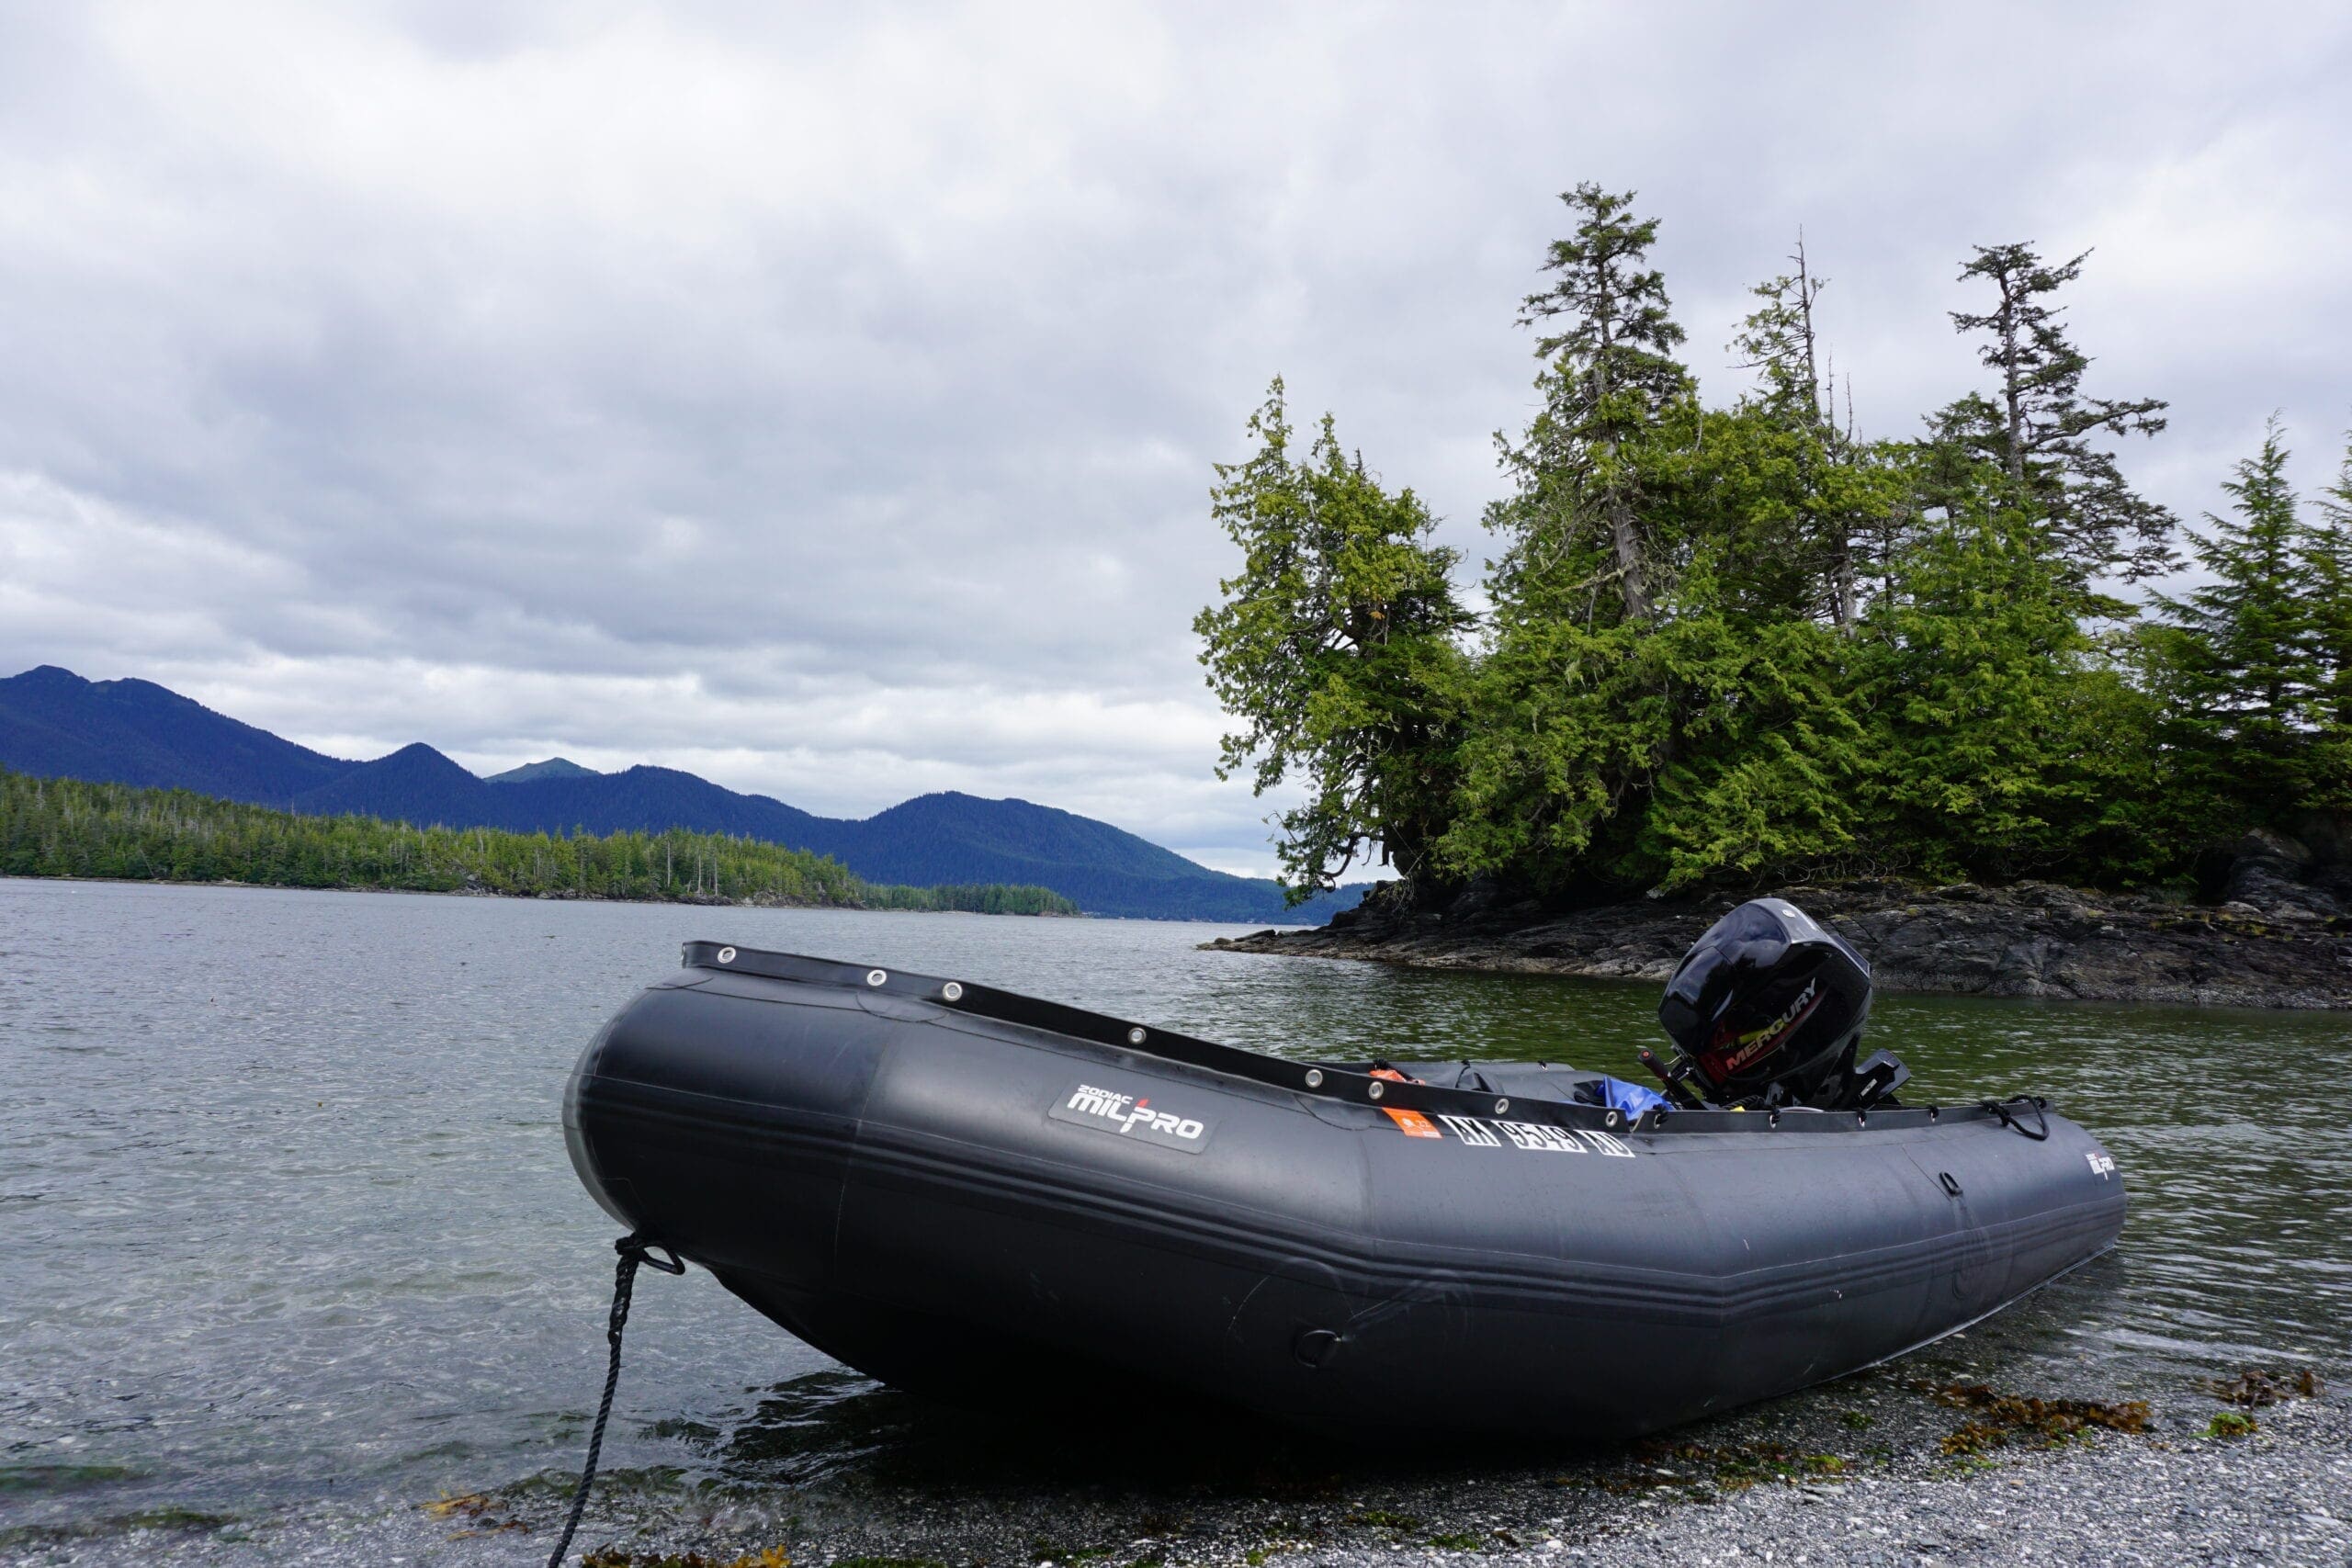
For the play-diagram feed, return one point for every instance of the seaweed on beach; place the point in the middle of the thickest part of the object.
(1998, 1419)
(473, 1510)
(1732, 1469)
(2257, 1387)
(773, 1557)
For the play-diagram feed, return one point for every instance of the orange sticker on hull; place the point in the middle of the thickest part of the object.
(1413, 1124)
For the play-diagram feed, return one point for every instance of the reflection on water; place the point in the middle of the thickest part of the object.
(291, 1220)
(831, 1424)
(829, 1427)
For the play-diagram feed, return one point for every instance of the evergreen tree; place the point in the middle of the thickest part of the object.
(1837, 498)
(2043, 430)
(1969, 671)
(1335, 646)
(1697, 727)
(1570, 710)
(1586, 468)
(1768, 750)
(2327, 561)
(1741, 643)
(1783, 347)
(1567, 718)
(2242, 654)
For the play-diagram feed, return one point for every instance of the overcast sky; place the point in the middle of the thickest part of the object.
(824, 402)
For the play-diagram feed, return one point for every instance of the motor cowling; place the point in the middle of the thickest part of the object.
(1768, 1008)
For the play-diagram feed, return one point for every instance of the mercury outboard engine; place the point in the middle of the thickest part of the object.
(1768, 1009)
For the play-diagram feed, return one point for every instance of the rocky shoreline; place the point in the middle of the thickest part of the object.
(1913, 1464)
(2281, 936)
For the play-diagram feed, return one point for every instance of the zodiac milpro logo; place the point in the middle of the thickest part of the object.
(2102, 1163)
(1131, 1116)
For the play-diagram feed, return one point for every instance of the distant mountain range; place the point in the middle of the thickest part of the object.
(553, 768)
(55, 723)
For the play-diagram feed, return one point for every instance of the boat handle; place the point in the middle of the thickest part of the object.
(2037, 1133)
(1952, 1182)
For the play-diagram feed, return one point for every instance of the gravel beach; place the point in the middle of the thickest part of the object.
(1861, 1472)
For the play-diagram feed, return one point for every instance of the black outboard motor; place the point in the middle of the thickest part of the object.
(1768, 1010)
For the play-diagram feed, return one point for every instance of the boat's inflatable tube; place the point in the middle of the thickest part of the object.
(978, 1195)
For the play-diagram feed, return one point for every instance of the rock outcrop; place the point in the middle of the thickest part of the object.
(2281, 939)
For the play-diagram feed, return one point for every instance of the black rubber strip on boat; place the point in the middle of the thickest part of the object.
(1126, 1036)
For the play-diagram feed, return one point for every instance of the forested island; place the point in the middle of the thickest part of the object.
(1732, 647)
(55, 827)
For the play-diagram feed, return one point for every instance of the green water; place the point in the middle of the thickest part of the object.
(290, 1229)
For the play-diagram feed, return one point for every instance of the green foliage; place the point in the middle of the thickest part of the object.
(2241, 659)
(1568, 719)
(1594, 470)
(1571, 707)
(1334, 643)
(2326, 551)
(1738, 643)
(1965, 669)
(1768, 757)
(1818, 506)
(2041, 429)
(69, 828)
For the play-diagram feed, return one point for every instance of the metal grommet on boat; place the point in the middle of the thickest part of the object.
(953, 991)
(1609, 1120)
(1773, 1118)
(875, 976)
(1934, 1114)
(727, 955)
(1377, 1088)
(1315, 1078)
(1502, 1106)
(1135, 1036)
(1861, 1118)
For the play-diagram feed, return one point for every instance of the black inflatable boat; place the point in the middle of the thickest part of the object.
(981, 1196)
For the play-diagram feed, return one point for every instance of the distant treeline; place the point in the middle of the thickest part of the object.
(68, 827)
(1733, 642)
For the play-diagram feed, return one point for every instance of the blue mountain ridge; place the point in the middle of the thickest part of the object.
(554, 767)
(52, 722)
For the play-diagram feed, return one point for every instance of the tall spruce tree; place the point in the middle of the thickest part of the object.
(2043, 431)
(1572, 710)
(1839, 495)
(1335, 647)
(2242, 650)
(1783, 347)
(1695, 726)
(1609, 380)
(2327, 560)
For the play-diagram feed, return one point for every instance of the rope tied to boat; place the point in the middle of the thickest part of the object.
(2039, 1132)
(633, 1250)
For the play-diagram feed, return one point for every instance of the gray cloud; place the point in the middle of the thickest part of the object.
(826, 405)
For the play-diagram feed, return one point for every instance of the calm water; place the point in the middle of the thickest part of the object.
(285, 1222)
